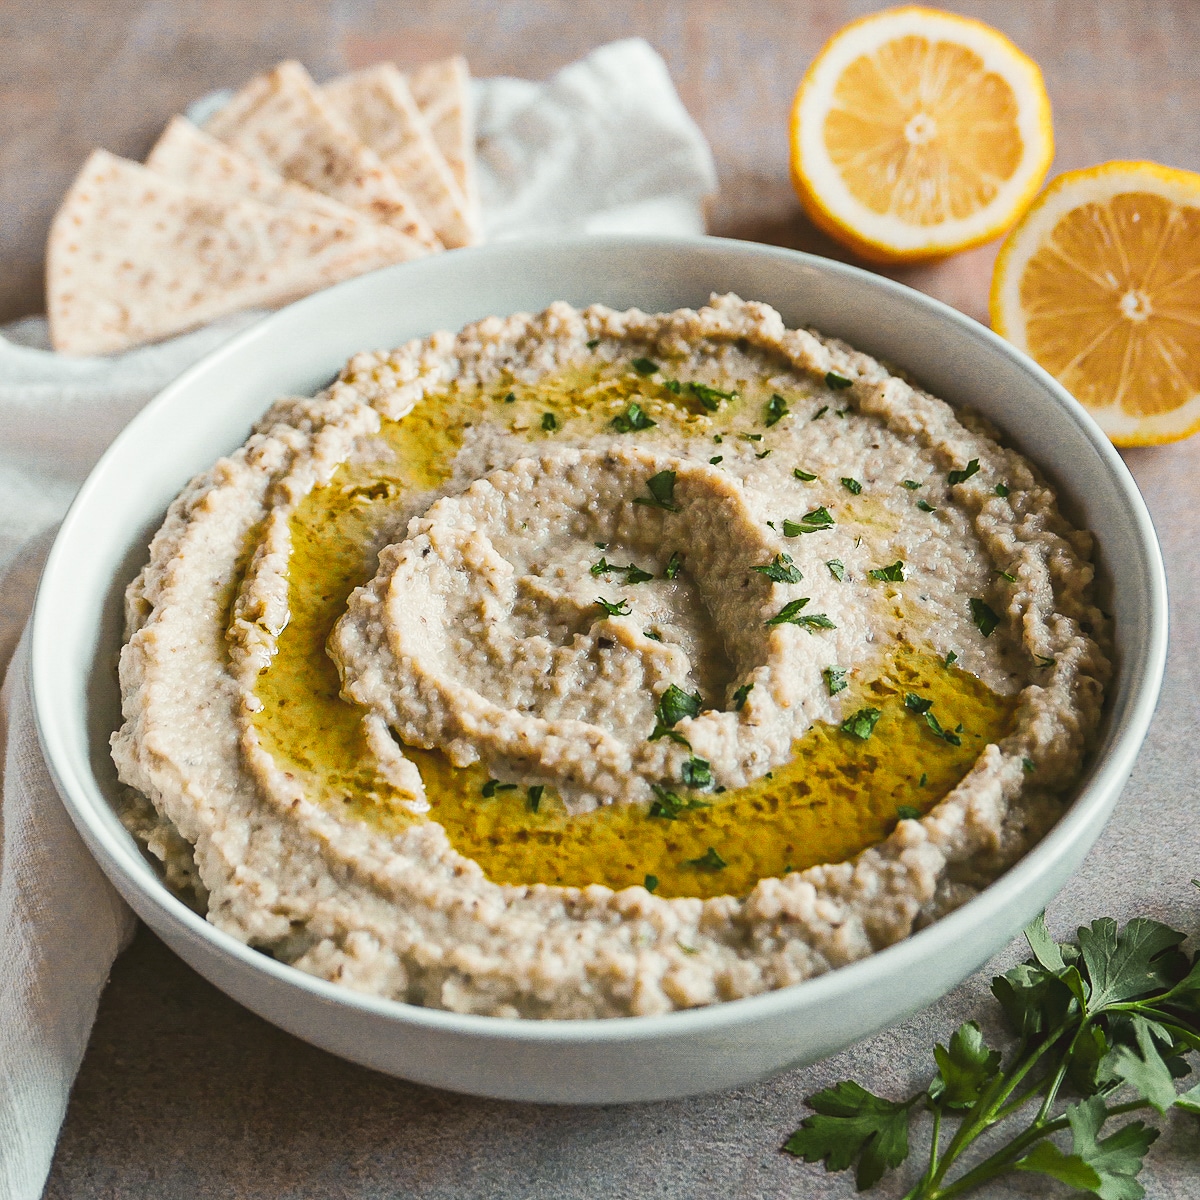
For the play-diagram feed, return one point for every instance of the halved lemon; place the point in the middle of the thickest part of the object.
(915, 133)
(1100, 283)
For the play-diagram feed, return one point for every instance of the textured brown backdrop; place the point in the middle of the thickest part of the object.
(183, 1094)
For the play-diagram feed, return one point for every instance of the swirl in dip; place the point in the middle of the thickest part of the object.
(589, 664)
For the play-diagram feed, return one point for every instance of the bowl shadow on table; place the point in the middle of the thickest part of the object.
(184, 1093)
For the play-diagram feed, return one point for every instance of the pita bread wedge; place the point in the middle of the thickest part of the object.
(442, 91)
(378, 106)
(134, 256)
(187, 154)
(280, 119)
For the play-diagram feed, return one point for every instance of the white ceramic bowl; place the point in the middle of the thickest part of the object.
(208, 412)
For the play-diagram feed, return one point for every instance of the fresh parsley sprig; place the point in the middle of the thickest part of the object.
(1109, 1021)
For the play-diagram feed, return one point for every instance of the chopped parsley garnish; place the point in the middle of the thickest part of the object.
(710, 860)
(925, 506)
(1044, 661)
(984, 616)
(839, 383)
(535, 796)
(710, 397)
(780, 570)
(675, 704)
(650, 883)
(493, 786)
(712, 462)
(911, 484)
(620, 609)
(1001, 489)
(921, 707)
(697, 773)
(1028, 766)
(819, 518)
(752, 437)
(861, 724)
(923, 780)
(644, 366)
(841, 412)
(654, 637)
(852, 485)
(906, 812)
(592, 343)
(788, 613)
(1007, 575)
(635, 574)
(673, 565)
(632, 419)
(893, 573)
(763, 454)
(820, 412)
(668, 805)
(951, 659)
(835, 679)
(963, 475)
(776, 410)
(549, 422)
(662, 492)
(837, 569)
(510, 398)
(673, 386)
(602, 567)
(718, 438)
(804, 476)
(739, 696)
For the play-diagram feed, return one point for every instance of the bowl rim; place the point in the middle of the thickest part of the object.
(1110, 766)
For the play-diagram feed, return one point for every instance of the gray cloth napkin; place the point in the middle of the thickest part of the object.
(605, 145)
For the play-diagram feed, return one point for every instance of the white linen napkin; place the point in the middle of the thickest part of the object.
(604, 145)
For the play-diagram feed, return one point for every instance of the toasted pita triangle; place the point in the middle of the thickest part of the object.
(378, 106)
(134, 256)
(279, 118)
(442, 91)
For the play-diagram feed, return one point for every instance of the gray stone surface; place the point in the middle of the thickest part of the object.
(185, 1095)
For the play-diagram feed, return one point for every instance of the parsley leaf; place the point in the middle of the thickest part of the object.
(668, 805)
(549, 422)
(662, 492)
(716, 458)
(895, 573)
(710, 397)
(650, 883)
(739, 696)
(984, 616)
(917, 704)
(592, 343)
(949, 736)
(535, 796)
(674, 563)
(789, 611)
(861, 724)
(965, 1067)
(818, 518)
(644, 366)
(837, 569)
(1001, 489)
(780, 570)
(620, 609)
(839, 383)
(776, 410)
(697, 773)
(950, 659)
(925, 506)
(632, 419)
(710, 860)
(675, 704)
(906, 812)
(493, 786)
(853, 1124)
(835, 679)
(804, 476)
(961, 476)
(911, 484)
(820, 412)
